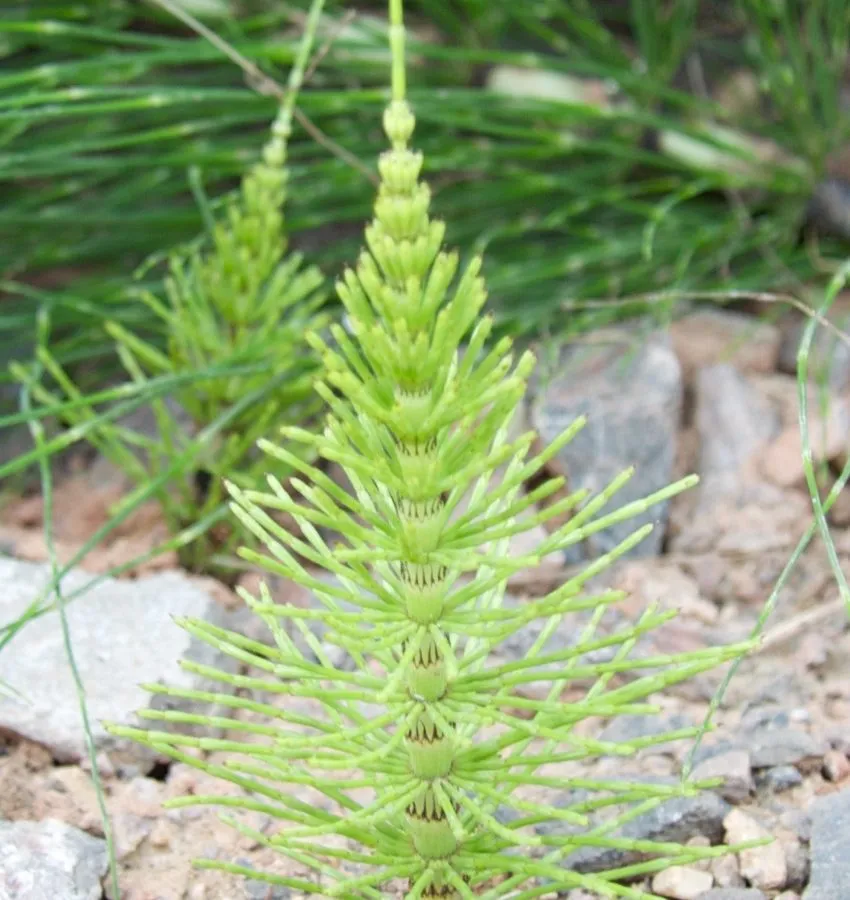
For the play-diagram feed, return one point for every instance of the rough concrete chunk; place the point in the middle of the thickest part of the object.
(50, 861)
(630, 389)
(123, 636)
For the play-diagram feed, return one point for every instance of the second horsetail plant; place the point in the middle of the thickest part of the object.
(396, 751)
(242, 306)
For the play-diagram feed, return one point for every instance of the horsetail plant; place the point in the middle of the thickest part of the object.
(240, 306)
(387, 731)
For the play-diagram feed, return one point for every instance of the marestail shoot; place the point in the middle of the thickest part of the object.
(380, 729)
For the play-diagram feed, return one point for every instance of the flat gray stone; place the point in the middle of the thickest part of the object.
(631, 728)
(262, 890)
(50, 860)
(733, 767)
(630, 389)
(734, 421)
(830, 861)
(567, 634)
(122, 634)
(780, 778)
(676, 820)
(771, 747)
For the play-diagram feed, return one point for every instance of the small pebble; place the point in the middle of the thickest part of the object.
(812, 650)
(778, 746)
(836, 766)
(798, 822)
(104, 765)
(781, 778)
(763, 867)
(160, 835)
(700, 840)
(682, 883)
(725, 871)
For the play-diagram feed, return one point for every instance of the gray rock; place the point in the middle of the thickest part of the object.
(262, 890)
(560, 799)
(678, 820)
(768, 715)
(734, 420)
(631, 728)
(780, 778)
(797, 822)
(830, 861)
(798, 864)
(566, 634)
(771, 747)
(122, 635)
(733, 767)
(50, 860)
(733, 894)
(630, 389)
(726, 871)
(708, 751)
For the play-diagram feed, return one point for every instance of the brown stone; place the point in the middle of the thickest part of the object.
(710, 336)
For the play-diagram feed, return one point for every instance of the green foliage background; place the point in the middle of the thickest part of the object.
(110, 111)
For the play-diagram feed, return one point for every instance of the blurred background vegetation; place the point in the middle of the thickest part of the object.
(610, 156)
(595, 149)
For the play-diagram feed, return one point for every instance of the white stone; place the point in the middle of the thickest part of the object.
(50, 861)
(681, 883)
(122, 634)
(763, 867)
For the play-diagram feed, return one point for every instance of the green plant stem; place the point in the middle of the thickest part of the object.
(47, 494)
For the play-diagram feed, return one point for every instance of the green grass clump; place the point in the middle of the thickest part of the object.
(413, 756)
